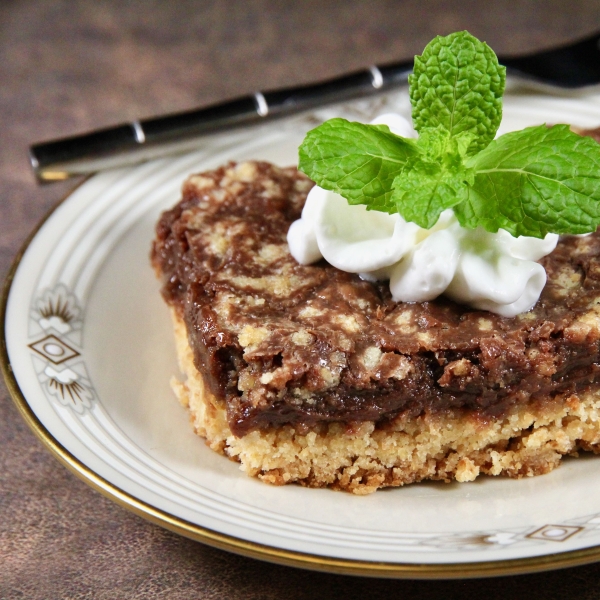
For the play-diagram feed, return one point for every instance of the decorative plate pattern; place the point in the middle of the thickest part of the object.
(88, 356)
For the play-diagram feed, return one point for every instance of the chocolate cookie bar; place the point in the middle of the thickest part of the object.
(312, 375)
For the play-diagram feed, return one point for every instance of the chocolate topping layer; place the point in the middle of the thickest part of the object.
(284, 343)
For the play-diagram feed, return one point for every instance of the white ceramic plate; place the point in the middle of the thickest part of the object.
(90, 345)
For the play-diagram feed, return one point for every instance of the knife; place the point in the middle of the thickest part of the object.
(576, 65)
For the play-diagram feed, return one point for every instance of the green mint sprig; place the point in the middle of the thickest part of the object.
(530, 182)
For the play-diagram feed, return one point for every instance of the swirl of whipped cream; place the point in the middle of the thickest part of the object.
(488, 271)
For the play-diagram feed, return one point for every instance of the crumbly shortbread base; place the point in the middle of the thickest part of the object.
(359, 458)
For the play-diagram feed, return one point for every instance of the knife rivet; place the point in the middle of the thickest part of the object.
(262, 108)
(377, 77)
(138, 132)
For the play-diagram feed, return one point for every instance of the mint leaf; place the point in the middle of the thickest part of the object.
(434, 180)
(457, 83)
(425, 191)
(359, 162)
(530, 183)
(535, 181)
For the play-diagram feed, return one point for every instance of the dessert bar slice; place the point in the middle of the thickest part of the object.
(309, 374)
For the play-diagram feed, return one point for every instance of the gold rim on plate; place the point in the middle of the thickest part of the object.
(230, 543)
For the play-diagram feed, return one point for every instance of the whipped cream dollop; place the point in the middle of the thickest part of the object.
(488, 271)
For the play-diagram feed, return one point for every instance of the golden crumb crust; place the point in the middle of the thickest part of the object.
(361, 457)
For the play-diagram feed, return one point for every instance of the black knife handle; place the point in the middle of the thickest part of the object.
(59, 159)
(571, 66)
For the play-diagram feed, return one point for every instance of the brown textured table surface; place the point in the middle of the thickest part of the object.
(66, 67)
